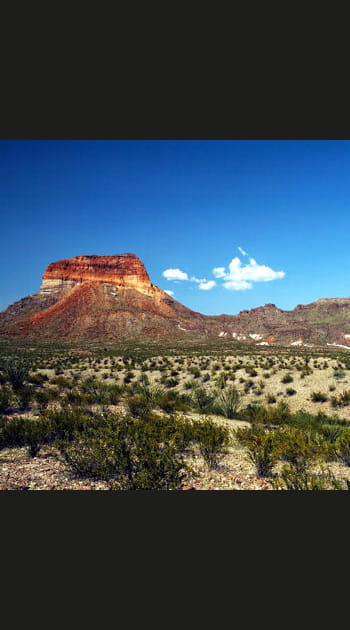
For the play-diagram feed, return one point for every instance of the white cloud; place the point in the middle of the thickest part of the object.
(198, 280)
(241, 277)
(219, 272)
(175, 274)
(207, 285)
(169, 292)
(237, 285)
(242, 251)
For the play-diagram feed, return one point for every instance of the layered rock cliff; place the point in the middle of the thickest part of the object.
(124, 270)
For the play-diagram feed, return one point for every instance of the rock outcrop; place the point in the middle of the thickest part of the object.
(125, 270)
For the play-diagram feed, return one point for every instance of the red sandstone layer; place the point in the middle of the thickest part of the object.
(123, 270)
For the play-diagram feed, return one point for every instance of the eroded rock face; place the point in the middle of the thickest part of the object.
(125, 270)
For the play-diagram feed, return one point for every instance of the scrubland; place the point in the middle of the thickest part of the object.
(133, 418)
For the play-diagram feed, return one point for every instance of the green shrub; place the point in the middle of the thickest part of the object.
(43, 398)
(69, 421)
(262, 448)
(212, 440)
(299, 447)
(287, 378)
(37, 379)
(139, 406)
(172, 401)
(319, 397)
(342, 447)
(5, 398)
(96, 391)
(128, 454)
(291, 479)
(24, 395)
(19, 432)
(203, 399)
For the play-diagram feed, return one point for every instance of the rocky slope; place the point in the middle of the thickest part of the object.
(111, 298)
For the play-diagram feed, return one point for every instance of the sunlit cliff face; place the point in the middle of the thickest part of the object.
(125, 270)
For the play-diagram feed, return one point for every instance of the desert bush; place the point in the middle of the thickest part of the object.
(262, 448)
(291, 479)
(71, 420)
(203, 399)
(128, 377)
(227, 401)
(270, 398)
(339, 373)
(251, 371)
(249, 384)
(290, 391)
(319, 397)
(19, 432)
(342, 447)
(139, 406)
(172, 401)
(37, 379)
(96, 391)
(278, 415)
(212, 439)
(171, 382)
(16, 371)
(287, 378)
(114, 393)
(62, 382)
(256, 414)
(43, 398)
(128, 454)
(5, 398)
(24, 395)
(343, 400)
(299, 447)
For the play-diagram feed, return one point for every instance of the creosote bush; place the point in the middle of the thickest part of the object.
(212, 440)
(262, 448)
(299, 447)
(291, 479)
(130, 454)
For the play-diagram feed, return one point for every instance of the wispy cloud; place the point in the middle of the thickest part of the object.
(169, 292)
(242, 251)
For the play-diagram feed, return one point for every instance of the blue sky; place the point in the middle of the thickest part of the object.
(187, 206)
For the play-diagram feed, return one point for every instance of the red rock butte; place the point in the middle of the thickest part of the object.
(124, 270)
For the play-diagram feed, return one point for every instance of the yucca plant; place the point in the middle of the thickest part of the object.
(227, 401)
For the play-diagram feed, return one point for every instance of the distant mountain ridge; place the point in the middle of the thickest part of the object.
(111, 298)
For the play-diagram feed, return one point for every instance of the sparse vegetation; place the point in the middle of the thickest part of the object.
(52, 399)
